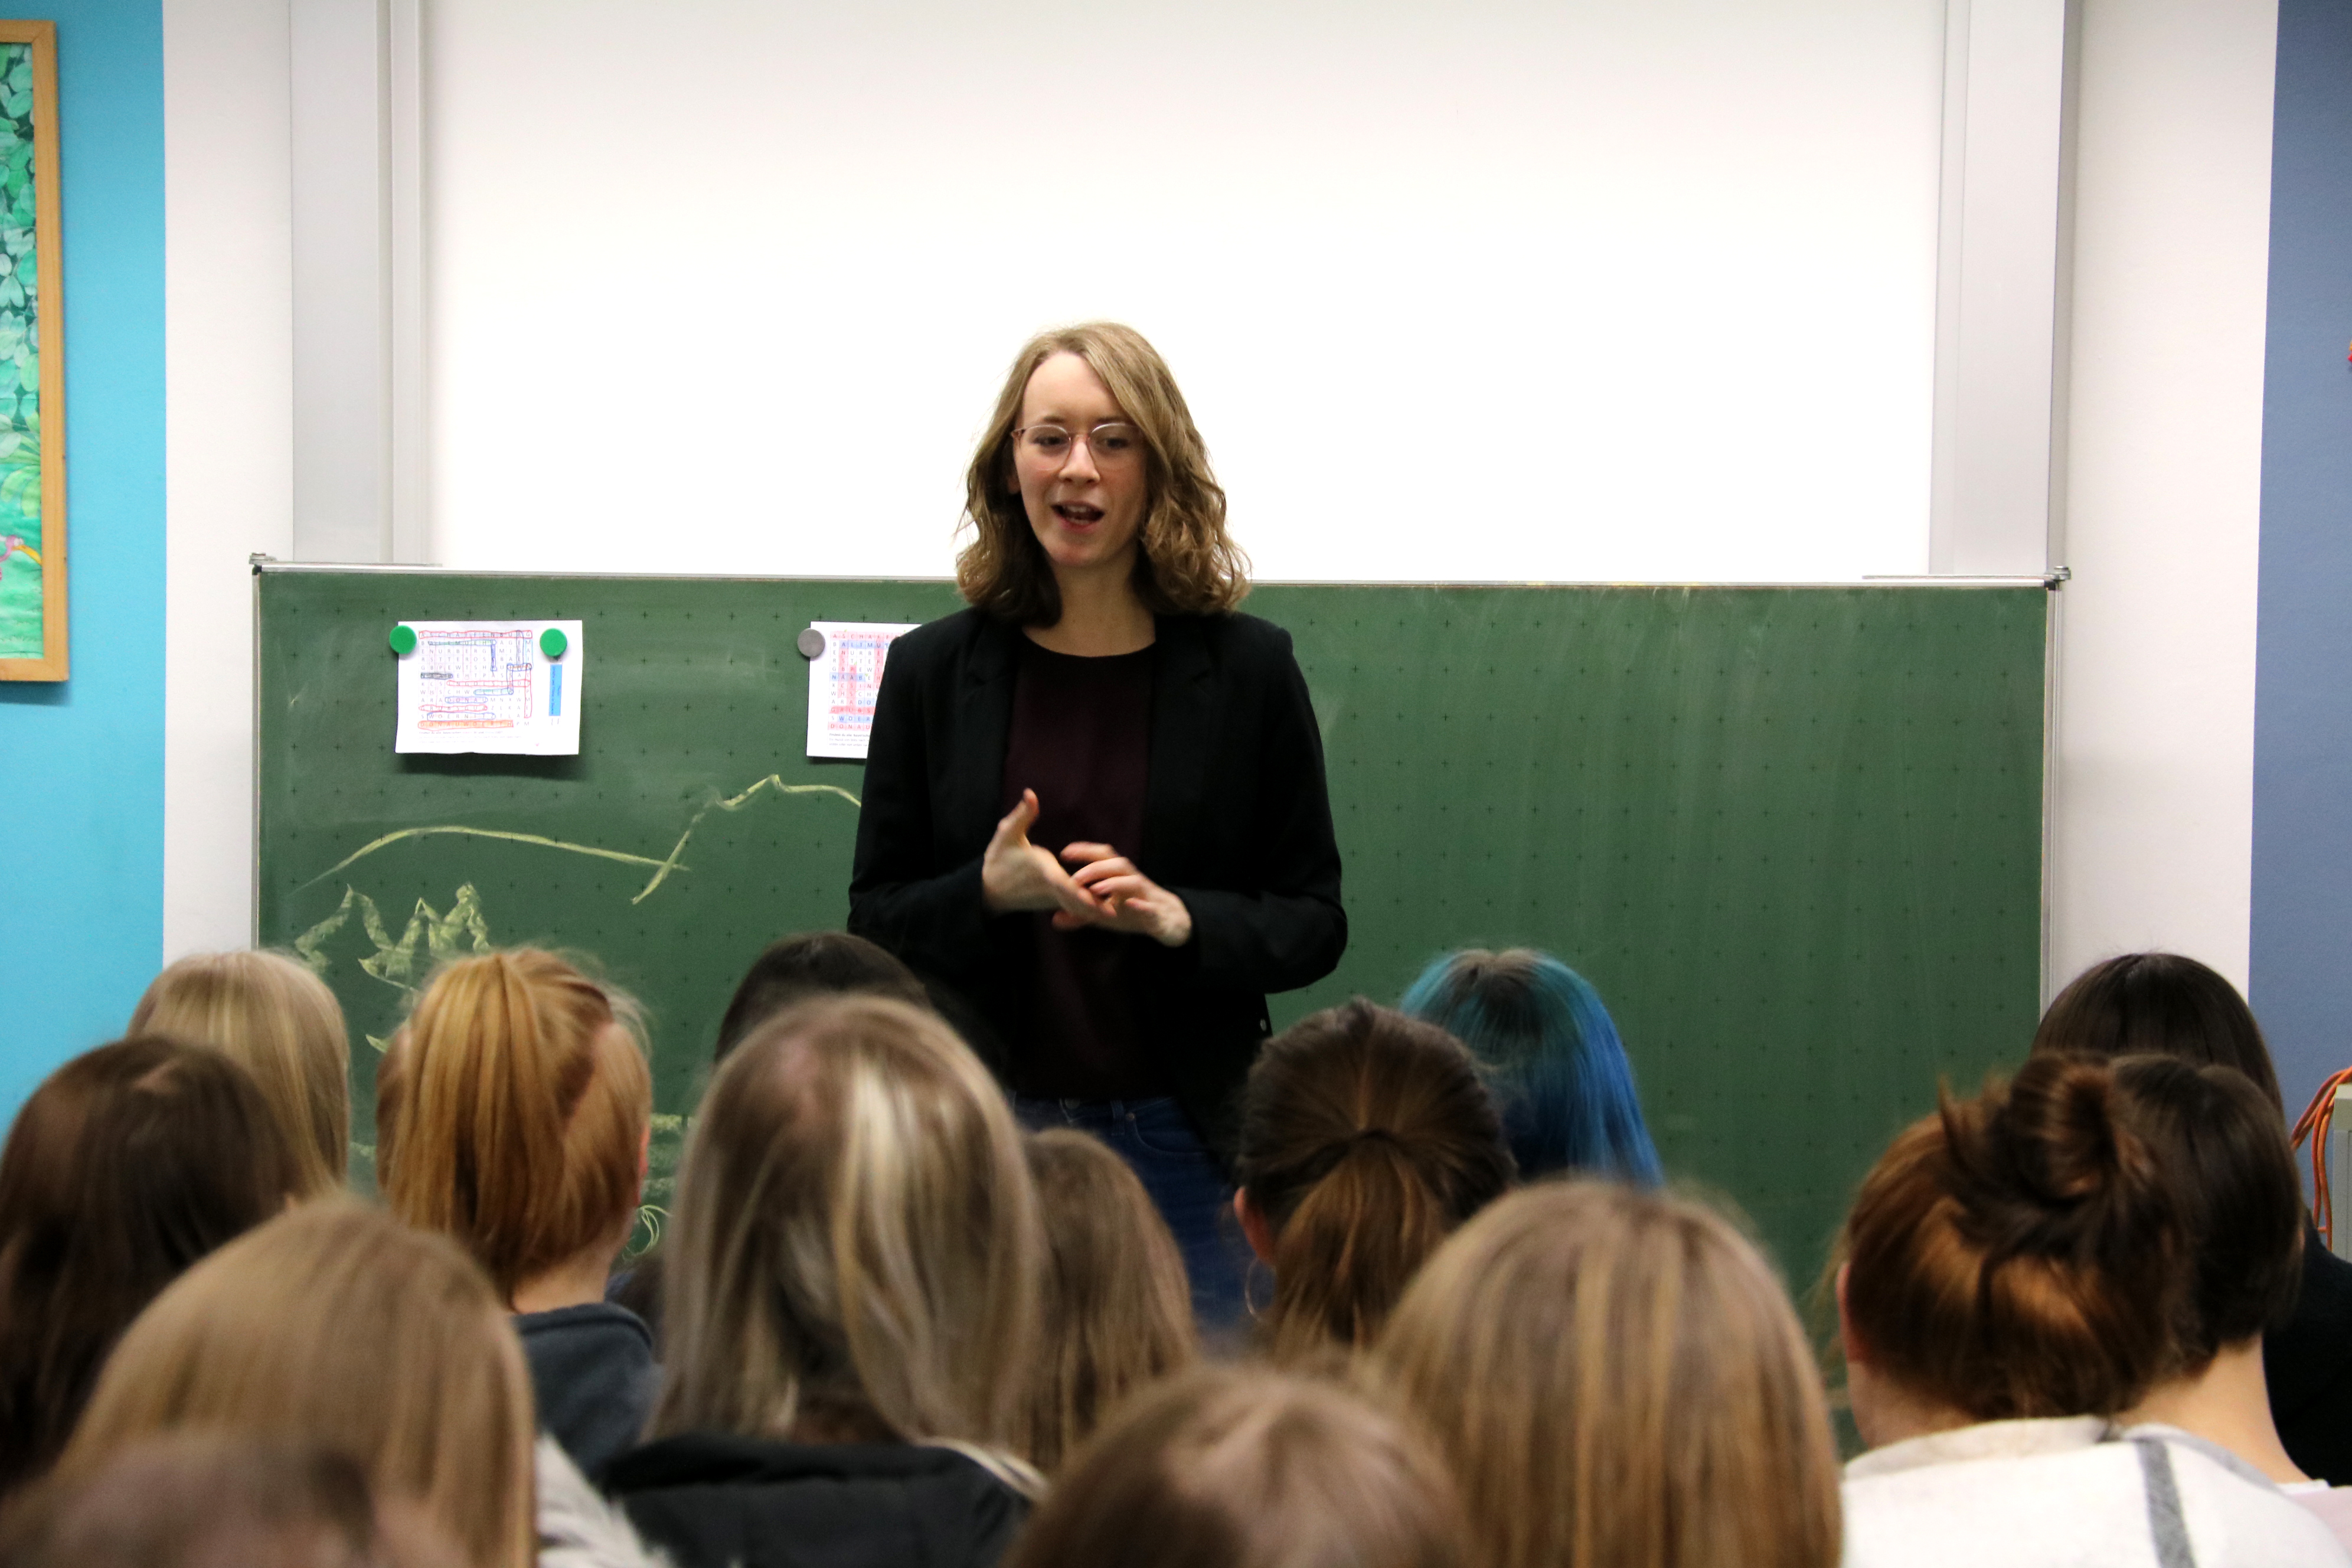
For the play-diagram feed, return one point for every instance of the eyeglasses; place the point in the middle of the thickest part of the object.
(1115, 444)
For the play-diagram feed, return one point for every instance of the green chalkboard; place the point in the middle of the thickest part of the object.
(1794, 835)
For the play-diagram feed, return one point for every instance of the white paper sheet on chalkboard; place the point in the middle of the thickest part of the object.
(489, 686)
(843, 681)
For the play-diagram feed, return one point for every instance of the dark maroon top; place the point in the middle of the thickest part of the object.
(1082, 739)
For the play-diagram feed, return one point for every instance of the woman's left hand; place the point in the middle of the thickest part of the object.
(1131, 901)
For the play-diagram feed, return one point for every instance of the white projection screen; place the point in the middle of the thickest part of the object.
(1458, 291)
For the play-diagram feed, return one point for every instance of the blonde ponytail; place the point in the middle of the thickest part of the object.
(511, 1112)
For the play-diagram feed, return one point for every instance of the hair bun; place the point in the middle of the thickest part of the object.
(2050, 1160)
(2017, 1254)
(2059, 1120)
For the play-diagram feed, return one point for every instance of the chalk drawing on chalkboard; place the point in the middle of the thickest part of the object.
(662, 867)
(733, 802)
(399, 963)
(371, 845)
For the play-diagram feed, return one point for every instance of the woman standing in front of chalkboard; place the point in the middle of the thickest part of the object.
(1095, 806)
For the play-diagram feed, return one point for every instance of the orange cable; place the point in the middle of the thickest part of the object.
(2317, 1117)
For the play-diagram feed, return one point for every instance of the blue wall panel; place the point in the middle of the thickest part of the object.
(2302, 970)
(81, 765)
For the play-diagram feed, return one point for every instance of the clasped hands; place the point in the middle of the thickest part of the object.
(1104, 888)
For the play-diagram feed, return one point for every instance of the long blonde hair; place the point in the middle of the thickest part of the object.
(281, 1024)
(1117, 1311)
(1619, 1382)
(1187, 565)
(335, 1322)
(856, 1240)
(511, 1112)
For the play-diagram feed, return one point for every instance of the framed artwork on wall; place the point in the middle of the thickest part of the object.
(31, 361)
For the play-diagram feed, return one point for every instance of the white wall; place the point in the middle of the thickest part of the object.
(1482, 290)
(2154, 762)
(228, 458)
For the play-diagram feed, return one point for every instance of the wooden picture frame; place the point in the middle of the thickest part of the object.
(32, 360)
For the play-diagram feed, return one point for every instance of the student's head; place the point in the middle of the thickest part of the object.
(1185, 564)
(2217, 1137)
(338, 1325)
(1552, 1052)
(1249, 1469)
(855, 1250)
(281, 1024)
(511, 1113)
(1366, 1137)
(2017, 1254)
(813, 963)
(1617, 1377)
(2158, 1003)
(1117, 1313)
(217, 1500)
(127, 1165)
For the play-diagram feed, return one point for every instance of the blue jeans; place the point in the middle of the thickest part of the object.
(1157, 1140)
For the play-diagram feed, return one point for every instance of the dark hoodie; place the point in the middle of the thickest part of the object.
(2308, 1364)
(712, 1500)
(593, 1378)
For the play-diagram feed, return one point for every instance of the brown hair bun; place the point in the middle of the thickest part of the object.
(2017, 1254)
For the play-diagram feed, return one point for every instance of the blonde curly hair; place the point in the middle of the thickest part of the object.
(1187, 565)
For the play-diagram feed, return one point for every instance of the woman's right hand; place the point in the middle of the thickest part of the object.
(1015, 874)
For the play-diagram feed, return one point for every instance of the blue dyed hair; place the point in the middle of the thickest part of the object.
(1552, 1055)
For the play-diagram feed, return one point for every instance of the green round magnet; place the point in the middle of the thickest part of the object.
(552, 642)
(403, 640)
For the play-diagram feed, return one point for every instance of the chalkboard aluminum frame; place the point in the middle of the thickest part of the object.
(39, 41)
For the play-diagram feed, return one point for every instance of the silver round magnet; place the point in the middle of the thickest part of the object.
(811, 642)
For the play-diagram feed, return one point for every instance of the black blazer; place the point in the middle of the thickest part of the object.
(1236, 822)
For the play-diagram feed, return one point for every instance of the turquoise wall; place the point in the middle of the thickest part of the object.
(82, 764)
